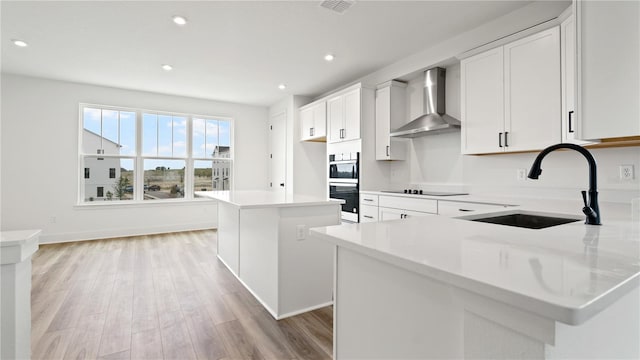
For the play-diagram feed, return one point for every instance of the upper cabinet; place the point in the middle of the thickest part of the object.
(313, 119)
(568, 69)
(343, 115)
(510, 96)
(482, 102)
(608, 48)
(390, 114)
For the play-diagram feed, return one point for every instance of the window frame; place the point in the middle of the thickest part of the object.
(138, 158)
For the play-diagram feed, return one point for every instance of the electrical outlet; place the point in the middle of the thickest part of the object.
(521, 174)
(626, 172)
(300, 232)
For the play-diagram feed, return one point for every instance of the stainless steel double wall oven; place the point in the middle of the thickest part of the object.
(344, 179)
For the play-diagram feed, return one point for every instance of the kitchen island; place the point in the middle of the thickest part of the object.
(262, 239)
(439, 287)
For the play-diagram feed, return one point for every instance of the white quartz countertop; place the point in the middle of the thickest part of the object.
(263, 199)
(567, 273)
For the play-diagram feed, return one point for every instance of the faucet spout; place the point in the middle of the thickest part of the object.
(591, 208)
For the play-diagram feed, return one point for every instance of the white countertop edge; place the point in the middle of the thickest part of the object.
(271, 200)
(18, 237)
(565, 314)
(287, 205)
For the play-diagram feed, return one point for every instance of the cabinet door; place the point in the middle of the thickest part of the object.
(608, 71)
(482, 102)
(306, 123)
(320, 120)
(383, 123)
(385, 214)
(335, 118)
(368, 213)
(532, 91)
(351, 115)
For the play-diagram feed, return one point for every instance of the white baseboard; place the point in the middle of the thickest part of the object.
(114, 233)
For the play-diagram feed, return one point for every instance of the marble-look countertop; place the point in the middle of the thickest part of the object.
(254, 199)
(567, 273)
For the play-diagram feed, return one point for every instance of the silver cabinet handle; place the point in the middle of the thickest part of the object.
(368, 217)
(367, 199)
(465, 210)
(506, 139)
(500, 139)
(387, 150)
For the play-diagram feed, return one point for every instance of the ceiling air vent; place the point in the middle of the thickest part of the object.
(339, 6)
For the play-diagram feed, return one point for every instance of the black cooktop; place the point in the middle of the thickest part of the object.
(424, 192)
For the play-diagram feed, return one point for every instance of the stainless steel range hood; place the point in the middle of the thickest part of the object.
(434, 120)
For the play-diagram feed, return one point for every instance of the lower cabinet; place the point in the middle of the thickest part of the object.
(455, 209)
(368, 213)
(385, 214)
(382, 207)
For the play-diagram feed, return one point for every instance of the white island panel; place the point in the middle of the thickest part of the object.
(229, 236)
(263, 239)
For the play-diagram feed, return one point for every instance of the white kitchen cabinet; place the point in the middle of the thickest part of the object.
(385, 214)
(313, 119)
(409, 203)
(608, 48)
(343, 115)
(368, 199)
(532, 92)
(368, 213)
(568, 68)
(510, 96)
(482, 101)
(399, 207)
(390, 115)
(455, 209)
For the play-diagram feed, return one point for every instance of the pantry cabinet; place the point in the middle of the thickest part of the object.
(343, 115)
(608, 48)
(511, 97)
(390, 115)
(313, 119)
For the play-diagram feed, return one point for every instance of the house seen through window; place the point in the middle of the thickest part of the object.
(144, 155)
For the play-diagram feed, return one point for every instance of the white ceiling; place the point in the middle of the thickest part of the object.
(235, 51)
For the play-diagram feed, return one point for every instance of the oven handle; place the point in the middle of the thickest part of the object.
(343, 162)
(343, 184)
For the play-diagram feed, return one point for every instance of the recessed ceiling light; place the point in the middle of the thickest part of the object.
(329, 57)
(19, 43)
(282, 86)
(179, 20)
(167, 67)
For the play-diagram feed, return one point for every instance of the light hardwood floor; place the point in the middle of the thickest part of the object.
(158, 296)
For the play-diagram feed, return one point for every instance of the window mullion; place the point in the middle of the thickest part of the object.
(139, 164)
(189, 177)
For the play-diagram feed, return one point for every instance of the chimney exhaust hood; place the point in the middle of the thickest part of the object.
(434, 120)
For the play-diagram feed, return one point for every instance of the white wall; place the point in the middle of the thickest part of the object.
(40, 160)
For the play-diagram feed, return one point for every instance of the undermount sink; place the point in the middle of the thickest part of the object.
(527, 220)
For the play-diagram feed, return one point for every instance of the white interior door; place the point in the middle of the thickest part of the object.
(277, 149)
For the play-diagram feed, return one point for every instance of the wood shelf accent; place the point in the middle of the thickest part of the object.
(628, 141)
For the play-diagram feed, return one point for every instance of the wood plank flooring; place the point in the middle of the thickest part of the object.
(158, 296)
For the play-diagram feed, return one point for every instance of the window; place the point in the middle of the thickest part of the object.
(152, 155)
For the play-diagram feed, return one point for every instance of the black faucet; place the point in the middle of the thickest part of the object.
(591, 208)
